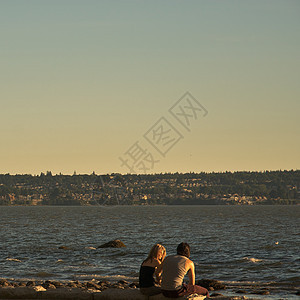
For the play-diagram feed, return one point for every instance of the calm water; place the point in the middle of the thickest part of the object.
(236, 244)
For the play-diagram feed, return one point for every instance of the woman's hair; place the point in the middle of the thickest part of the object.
(184, 249)
(154, 251)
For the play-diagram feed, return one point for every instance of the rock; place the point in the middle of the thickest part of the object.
(30, 283)
(22, 284)
(74, 284)
(48, 285)
(64, 248)
(57, 284)
(117, 286)
(51, 286)
(103, 283)
(241, 292)
(262, 292)
(113, 244)
(134, 285)
(39, 288)
(4, 283)
(211, 283)
(93, 285)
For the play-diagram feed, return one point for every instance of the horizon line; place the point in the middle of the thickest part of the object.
(138, 174)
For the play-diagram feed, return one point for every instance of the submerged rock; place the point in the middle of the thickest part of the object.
(113, 244)
(64, 248)
(261, 292)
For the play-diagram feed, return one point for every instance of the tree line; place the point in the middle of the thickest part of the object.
(268, 187)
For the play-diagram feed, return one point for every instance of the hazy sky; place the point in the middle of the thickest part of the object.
(82, 81)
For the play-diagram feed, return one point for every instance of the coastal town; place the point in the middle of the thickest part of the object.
(237, 188)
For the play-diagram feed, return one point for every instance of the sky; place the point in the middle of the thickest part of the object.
(149, 86)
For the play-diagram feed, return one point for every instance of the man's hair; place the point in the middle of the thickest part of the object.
(183, 249)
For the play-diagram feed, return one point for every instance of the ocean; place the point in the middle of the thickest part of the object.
(242, 246)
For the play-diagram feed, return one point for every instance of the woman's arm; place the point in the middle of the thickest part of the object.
(163, 256)
(158, 272)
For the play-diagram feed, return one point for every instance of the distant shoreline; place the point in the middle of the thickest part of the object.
(238, 188)
(148, 205)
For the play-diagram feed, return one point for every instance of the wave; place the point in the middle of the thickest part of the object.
(43, 274)
(276, 245)
(85, 263)
(244, 282)
(286, 283)
(117, 253)
(294, 280)
(105, 277)
(13, 259)
(252, 259)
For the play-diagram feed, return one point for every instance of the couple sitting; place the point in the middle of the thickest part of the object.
(169, 273)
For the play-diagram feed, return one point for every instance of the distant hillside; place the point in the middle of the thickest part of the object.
(232, 188)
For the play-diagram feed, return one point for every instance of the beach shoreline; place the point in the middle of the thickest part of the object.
(75, 289)
(92, 289)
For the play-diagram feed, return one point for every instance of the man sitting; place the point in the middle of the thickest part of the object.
(174, 269)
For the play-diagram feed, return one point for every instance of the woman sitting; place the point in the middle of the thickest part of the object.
(152, 265)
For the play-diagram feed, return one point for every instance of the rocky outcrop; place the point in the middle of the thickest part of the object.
(113, 244)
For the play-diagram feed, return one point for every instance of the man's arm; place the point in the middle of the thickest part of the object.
(191, 272)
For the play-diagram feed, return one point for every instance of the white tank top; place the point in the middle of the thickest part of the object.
(173, 272)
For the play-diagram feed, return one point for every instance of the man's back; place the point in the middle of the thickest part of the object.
(174, 269)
